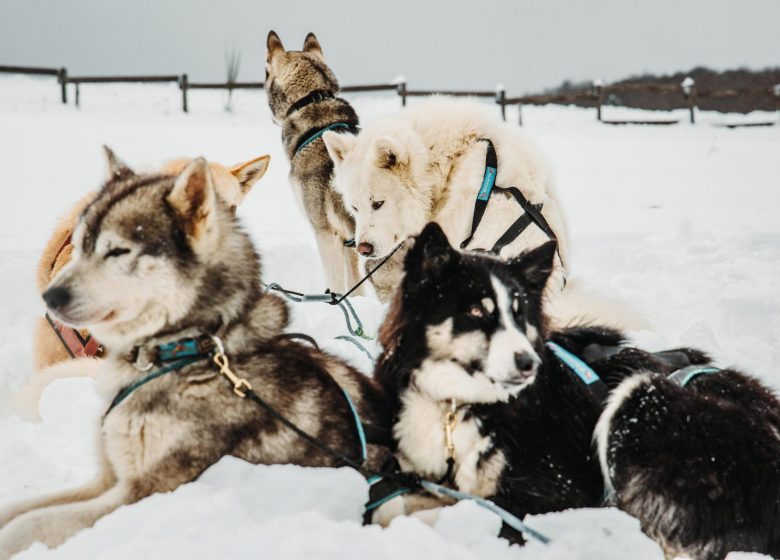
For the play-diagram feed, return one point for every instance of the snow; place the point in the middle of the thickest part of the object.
(680, 222)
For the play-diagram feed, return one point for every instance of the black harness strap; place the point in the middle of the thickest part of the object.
(532, 213)
(313, 97)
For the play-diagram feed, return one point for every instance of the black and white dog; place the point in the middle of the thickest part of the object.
(483, 401)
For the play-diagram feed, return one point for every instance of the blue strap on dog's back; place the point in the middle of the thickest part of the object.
(358, 427)
(685, 375)
(488, 182)
(583, 370)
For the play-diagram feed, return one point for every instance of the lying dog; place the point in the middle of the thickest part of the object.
(483, 401)
(432, 163)
(302, 91)
(55, 342)
(188, 272)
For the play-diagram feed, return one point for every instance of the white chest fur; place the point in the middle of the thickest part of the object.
(420, 431)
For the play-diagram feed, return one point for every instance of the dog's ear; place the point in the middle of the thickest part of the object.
(390, 154)
(273, 45)
(312, 46)
(430, 258)
(250, 172)
(533, 268)
(194, 200)
(117, 169)
(338, 145)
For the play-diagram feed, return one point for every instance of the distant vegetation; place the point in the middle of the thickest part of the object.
(758, 81)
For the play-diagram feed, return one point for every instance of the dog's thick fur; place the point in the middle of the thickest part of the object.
(231, 184)
(291, 76)
(427, 164)
(699, 465)
(186, 268)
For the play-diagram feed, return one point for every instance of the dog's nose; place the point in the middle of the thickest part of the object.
(365, 249)
(56, 297)
(525, 362)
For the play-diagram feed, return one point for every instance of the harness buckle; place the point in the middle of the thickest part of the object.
(240, 385)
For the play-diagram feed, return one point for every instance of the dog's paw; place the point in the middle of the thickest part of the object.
(388, 511)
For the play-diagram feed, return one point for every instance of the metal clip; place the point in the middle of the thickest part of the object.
(450, 421)
(240, 385)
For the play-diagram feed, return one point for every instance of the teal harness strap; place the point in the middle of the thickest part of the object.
(124, 393)
(358, 427)
(319, 133)
(583, 370)
(687, 374)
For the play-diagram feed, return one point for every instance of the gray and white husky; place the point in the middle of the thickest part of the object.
(302, 91)
(161, 263)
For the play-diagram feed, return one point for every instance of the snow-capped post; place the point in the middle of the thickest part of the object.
(400, 84)
(184, 84)
(598, 87)
(689, 89)
(501, 99)
(62, 77)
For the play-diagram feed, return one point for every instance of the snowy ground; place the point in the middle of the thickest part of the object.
(680, 222)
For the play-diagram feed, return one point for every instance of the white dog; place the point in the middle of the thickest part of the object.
(428, 163)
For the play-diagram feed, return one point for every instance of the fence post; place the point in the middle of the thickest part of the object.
(77, 95)
(519, 115)
(62, 76)
(501, 99)
(776, 90)
(184, 84)
(402, 92)
(689, 89)
(598, 88)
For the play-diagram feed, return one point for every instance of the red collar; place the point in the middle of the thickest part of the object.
(76, 345)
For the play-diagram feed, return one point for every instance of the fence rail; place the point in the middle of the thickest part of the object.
(597, 96)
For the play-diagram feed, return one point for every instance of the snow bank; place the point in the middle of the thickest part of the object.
(679, 222)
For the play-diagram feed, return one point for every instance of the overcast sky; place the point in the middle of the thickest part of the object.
(527, 45)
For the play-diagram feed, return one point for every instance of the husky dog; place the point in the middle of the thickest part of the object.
(54, 342)
(301, 91)
(428, 164)
(187, 271)
(696, 460)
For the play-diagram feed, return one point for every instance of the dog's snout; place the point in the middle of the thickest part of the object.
(525, 362)
(57, 297)
(365, 248)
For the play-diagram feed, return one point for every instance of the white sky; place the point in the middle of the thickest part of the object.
(527, 45)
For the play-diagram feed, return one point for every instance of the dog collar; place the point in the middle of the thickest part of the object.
(583, 371)
(315, 133)
(313, 97)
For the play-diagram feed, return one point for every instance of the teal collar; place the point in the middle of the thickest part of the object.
(317, 133)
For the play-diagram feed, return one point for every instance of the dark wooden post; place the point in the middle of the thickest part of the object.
(776, 90)
(184, 84)
(501, 100)
(689, 90)
(519, 115)
(402, 92)
(77, 95)
(62, 76)
(598, 93)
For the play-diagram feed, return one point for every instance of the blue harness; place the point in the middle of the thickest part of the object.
(318, 133)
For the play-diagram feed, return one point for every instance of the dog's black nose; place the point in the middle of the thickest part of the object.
(365, 249)
(524, 362)
(56, 297)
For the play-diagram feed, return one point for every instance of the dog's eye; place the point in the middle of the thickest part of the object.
(233, 208)
(377, 204)
(116, 252)
(476, 312)
(354, 210)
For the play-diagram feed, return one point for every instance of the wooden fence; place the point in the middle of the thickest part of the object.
(597, 96)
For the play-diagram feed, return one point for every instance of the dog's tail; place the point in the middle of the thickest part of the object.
(579, 305)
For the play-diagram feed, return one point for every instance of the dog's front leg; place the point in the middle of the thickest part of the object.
(53, 525)
(102, 482)
(332, 255)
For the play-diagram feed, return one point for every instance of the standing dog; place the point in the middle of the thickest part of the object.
(55, 342)
(302, 92)
(431, 163)
(187, 271)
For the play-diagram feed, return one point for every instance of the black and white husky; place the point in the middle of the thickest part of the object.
(484, 402)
